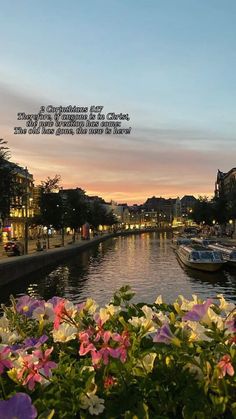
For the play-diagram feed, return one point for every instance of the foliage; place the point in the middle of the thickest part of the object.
(98, 215)
(203, 211)
(9, 188)
(4, 150)
(51, 184)
(76, 208)
(124, 360)
(70, 208)
(5, 180)
(220, 209)
(51, 210)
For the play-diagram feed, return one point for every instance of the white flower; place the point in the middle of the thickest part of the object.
(162, 317)
(149, 313)
(197, 331)
(159, 300)
(104, 315)
(4, 322)
(45, 313)
(145, 364)
(214, 318)
(187, 305)
(144, 324)
(90, 306)
(153, 316)
(8, 337)
(93, 403)
(71, 308)
(64, 333)
(113, 309)
(224, 305)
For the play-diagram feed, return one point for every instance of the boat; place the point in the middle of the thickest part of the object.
(200, 258)
(228, 252)
(179, 241)
(201, 241)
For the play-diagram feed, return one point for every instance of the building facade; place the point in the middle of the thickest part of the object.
(225, 182)
(23, 206)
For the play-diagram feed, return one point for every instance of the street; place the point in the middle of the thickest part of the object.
(55, 241)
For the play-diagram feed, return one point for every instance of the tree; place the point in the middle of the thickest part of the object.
(110, 219)
(50, 202)
(8, 186)
(98, 215)
(76, 208)
(203, 211)
(51, 210)
(51, 184)
(4, 151)
(220, 209)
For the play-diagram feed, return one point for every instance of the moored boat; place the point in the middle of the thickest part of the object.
(228, 252)
(200, 258)
(201, 241)
(176, 242)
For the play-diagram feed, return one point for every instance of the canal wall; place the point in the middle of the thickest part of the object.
(17, 267)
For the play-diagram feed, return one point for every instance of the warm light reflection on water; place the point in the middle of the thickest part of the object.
(146, 262)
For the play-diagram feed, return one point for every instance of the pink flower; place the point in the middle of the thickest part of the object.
(225, 366)
(98, 320)
(29, 373)
(96, 357)
(85, 346)
(59, 310)
(109, 382)
(44, 363)
(123, 338)
(121, 351)
(105, 351)
(4, 361)
(231, 324)
(106, 345)
(32, 378)
(34, 365)
(232, 340)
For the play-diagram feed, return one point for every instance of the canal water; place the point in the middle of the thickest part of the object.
(146, 262)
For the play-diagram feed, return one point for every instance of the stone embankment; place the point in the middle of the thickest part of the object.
(16, 267)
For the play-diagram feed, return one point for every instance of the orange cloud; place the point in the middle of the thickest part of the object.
(162, 162)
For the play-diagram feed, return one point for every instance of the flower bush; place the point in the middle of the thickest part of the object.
(125, 360)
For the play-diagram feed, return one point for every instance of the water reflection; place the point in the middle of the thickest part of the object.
(146, 262)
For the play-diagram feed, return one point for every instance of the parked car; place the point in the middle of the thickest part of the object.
(14, 248)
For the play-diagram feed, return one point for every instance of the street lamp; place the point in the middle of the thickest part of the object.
(26, 229)
(25, 208)
(62, 226)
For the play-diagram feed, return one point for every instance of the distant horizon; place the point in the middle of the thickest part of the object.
(109, 199)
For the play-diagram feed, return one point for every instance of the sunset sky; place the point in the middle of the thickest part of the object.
(170, 64)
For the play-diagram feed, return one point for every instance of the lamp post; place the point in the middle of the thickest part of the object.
(25, 207)
(26, 220)
(74, 211)
(62, 229)
(62, 219)
(26, 229)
